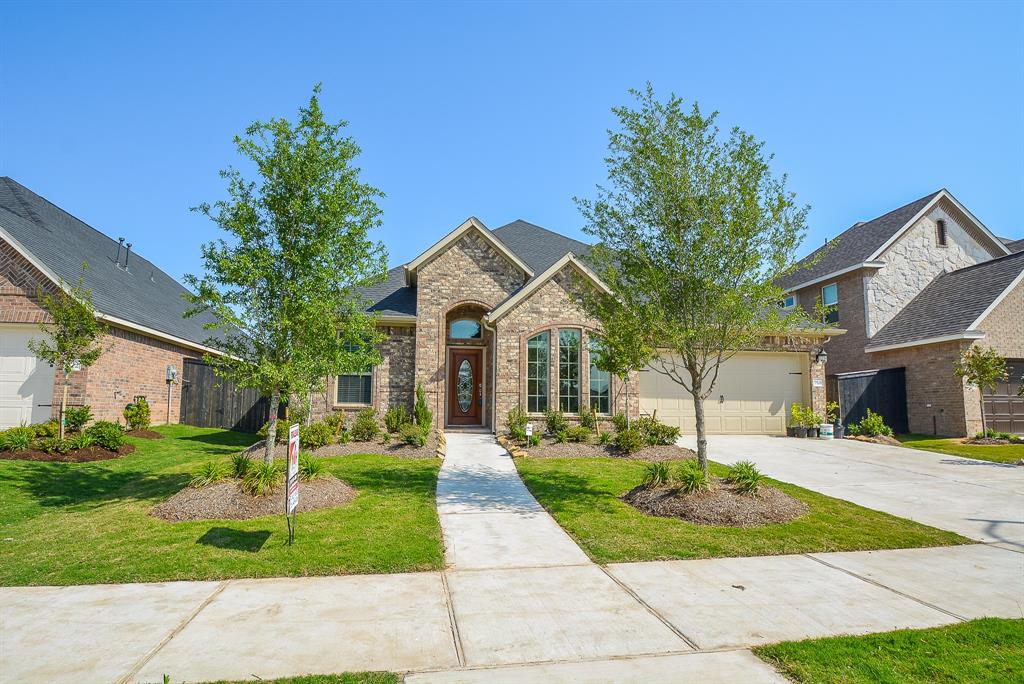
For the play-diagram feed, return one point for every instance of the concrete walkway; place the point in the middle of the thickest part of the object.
(519, 602)
(978, 499)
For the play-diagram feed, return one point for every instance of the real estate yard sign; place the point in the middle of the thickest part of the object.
(291, 496)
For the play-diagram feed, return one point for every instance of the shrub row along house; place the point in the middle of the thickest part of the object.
(913, 289)
(41, 246)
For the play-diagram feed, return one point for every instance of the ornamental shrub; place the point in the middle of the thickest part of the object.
(136, 415)
(620, 422)
(106, 434)
(82, 440)
(629, 441)
(577, 433)
(517, 420)
(282, 431)
(75, 417)
(656, 433)
(365, 426)
(555, 421)
(395, 417)
(424, 416)
(588, 418)
(872, 425)
(315, 435)
(336, 421)
(413, 435)
(692, 478)
(746, 477)
(48, 429)
(534, 440)
(54, 445)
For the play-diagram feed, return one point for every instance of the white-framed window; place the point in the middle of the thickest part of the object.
(600, 381)
(355, 388)
(569, 370)
(537, 372)
(830, 299)
(789, 301)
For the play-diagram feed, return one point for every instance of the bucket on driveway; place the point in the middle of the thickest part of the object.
(825, 431)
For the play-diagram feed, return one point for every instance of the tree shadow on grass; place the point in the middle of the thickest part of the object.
(236, 540)
(231, 438)
(565, 491)
(64, 484)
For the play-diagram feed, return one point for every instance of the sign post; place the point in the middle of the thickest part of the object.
(529, 434)
(291, 488)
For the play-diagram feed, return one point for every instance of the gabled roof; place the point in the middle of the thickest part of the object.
(952, 306)
(861, 245)
(524, 293)
(1014, 245)
(57, 243)
(472, 224)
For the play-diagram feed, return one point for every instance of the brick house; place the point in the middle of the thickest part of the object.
(41, 245)
(914, 288)
(485, 321)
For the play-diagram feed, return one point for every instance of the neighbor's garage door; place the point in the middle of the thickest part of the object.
(1004, 410)
(26, 385)
(752, 395)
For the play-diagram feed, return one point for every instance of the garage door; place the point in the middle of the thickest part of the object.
(752, 395)
(26, 385)
(1004, 409)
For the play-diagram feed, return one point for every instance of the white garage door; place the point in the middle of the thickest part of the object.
(752, 395)
(26, 384)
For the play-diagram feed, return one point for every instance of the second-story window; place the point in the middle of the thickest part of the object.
(789, 301)
(940, 233)
(830, 300)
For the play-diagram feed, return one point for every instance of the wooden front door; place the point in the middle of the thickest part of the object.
(465, 387)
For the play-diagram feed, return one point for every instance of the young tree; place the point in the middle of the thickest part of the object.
(71, 340)
(284, 290)
(692, 230)
(983, 368)
(623, 347)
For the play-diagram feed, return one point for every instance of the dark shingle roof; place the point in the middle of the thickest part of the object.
(854, 245)
(538, 247)
(951, 303)
(143, 294)
(1014, 245)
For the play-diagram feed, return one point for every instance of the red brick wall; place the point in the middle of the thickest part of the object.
(845, 352)
(20, 283)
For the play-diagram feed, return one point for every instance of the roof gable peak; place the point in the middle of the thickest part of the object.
(472, 224)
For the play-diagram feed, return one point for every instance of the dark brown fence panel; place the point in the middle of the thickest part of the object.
(883, 391)
(1004, 410)
(210, 401)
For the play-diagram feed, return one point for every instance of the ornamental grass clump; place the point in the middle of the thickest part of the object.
(262, 478)
(207, 474)
(691, 477)
(746, 477)
(17, 439)
(240, 464)
(310, 467)
(655, 475)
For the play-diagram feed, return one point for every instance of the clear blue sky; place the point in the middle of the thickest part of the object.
(123, 114)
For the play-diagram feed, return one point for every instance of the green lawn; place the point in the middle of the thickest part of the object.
(582, 494)
(1000, 453)
(80, 523)
(989, 650)
(345, 678)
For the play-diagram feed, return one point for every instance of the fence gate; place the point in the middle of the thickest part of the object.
(882, 391)
(1004, 410)
(209, 401)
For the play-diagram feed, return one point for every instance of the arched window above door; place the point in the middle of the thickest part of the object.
(465, 329)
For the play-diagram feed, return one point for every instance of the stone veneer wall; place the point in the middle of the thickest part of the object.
(915, 260)
(549, 308)
(470, 271)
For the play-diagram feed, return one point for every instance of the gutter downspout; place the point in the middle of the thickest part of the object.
(494, 375)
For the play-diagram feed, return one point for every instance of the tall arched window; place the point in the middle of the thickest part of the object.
(537, 373)
(569, 370)
(600, 381)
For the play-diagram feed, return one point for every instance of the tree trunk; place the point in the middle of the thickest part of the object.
(981, 401)
(698, 412)
(275, 399)
(63, 407)
(625, 383)
(309, 408)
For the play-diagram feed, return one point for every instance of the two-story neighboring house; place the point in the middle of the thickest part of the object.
(913, 288)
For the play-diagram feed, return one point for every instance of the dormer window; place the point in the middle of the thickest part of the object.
(940, 233)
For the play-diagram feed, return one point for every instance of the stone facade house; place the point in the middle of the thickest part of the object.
(485, 321)
(42, 245)
(914, 288)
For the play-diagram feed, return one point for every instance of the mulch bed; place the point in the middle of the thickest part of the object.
(227, 501)
(990, 441)
(93, 453)
(549, 448)
(723, 506)
(880, 439)
(145, 434)
(395, 447)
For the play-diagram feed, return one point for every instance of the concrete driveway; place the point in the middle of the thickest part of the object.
(978, 499)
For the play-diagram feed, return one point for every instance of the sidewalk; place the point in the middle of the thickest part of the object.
(519, 602)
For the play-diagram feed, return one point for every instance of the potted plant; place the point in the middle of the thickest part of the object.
(813, 420)
(797, 412)
(832, 413)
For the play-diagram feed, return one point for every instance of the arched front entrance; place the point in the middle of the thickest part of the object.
(467, 366)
